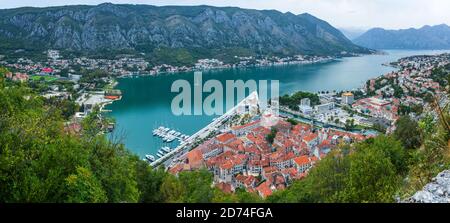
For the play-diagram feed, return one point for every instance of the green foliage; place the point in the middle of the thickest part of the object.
(367, 172)
(391, 148)
(94, 77)
(293, 101)
(244, 197)
(39, 162)
(188, 187)
(84, 187)
(149, 182)
(271, 136)
(434, 154)
(292, 121)
(379, 127)
(371, 177)
(67, 107)
(427, 124)
(441, 75)
(408, 132)
(349, 124)
(181, 57)
(172, 190)
(398, 91)
(3, 72)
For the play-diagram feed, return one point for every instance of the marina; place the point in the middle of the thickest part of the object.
(168, 135)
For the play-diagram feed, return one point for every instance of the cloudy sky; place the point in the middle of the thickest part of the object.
(392, 14)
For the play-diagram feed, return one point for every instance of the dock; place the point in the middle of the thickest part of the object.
(169, 135)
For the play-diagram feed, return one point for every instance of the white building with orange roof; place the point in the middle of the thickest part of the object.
(254, 167)
(303, 163)
(264, 190)
(225, 138)
(311, 140)
(243, 129)
(225, 171)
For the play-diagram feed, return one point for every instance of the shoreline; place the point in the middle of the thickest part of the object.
(165, 73)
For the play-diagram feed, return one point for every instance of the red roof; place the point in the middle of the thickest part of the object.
(112, 97)
(195, 158)
(240, 178)
(225, 187)
(176, 169)
(264, 190)
(302, 160)
(47, 70)
(310, 137)
(225, 137)
(227, 165)
(246, 125)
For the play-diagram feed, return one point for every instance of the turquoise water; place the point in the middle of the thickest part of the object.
(146, 102)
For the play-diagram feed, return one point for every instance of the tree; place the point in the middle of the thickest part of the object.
(246, 197)
(83, 187)
(371, 178)
(292, 121)
(172, 190)
(379, 127)
(188, 187)
(198, 186)
(293, 101)
(349, 124)
(301, 191)
(391, 148)
(221, 197)
(271, 136)
(149, 182)
(408, 132)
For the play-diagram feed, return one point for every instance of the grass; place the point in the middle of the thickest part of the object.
(45, 78)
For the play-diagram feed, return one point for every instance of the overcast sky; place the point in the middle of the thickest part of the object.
(392, 14)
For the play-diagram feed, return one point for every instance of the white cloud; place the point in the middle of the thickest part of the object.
(341, 13)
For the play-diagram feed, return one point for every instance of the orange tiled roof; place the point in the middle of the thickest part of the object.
(310, 137)
(302, 160)
(246, 125)
(225, 187)
(195, 158)
(264, 190)
(225, 137)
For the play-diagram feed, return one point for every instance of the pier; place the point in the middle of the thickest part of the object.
(169, 135)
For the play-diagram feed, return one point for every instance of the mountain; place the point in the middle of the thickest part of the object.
(352, 33)
(425, 38)
(198, 30)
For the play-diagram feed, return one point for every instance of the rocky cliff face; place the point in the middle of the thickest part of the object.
(438, 191)
(144, 28)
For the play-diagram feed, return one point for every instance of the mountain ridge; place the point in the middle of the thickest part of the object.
(144, 28)
(424, 38)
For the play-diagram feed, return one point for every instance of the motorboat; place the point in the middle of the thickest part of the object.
(150, 158)
(166, 149)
